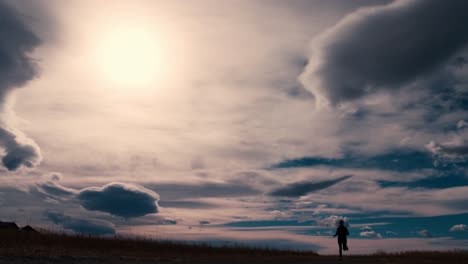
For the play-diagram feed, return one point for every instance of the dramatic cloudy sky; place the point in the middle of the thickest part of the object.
(259, 122)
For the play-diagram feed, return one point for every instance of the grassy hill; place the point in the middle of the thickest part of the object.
(49, 247)
(49, 244)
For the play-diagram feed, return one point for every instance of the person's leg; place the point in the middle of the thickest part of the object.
(340, 246)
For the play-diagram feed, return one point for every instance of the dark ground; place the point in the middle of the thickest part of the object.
(53, 248)
(430, 259)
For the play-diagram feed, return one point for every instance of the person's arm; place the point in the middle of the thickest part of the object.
(347, 232)
(336, 233)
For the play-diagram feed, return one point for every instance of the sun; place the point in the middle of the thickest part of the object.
(129, 56)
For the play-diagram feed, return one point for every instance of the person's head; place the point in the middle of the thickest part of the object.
(341, 222)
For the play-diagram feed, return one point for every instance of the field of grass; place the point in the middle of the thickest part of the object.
(53, 245)
(47, 247)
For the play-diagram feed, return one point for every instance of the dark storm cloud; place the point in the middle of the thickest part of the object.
(120, 199)
(81, 226)
(17, 41)
(19, 151)
(382, 48)
(302, 188)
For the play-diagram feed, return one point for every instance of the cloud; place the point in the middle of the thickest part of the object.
(81, 226)
(175, 191)
(462, 124)
(18, 41)
(51, 186)
(302, 188)
(55, 176)
(19, 150)
(460, 227)
(16, 68)
(187, 204)
(167, 221)
(332, 221)
(425, 233)
(120, 199)
(445, 177)
(391, 233)
(371, 234)
(453, 149)
(449, 149)
(277, 214)
(369, 50)
(402, 160)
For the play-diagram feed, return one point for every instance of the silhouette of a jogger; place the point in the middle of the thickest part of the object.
(342, 233)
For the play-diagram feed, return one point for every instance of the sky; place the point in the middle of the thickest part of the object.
(255, 122)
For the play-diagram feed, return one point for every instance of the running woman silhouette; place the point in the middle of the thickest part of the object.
(342, 232)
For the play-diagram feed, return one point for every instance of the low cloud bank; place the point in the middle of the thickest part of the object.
(81, 226)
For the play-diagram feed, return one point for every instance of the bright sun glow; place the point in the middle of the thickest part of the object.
(130, 56)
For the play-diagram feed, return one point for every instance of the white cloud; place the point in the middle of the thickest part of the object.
(462, 124)
(460, 227)
(371, 234)
(333, 221)
(453, 149)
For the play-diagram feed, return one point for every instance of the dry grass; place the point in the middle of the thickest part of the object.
(410, 257)
(49, 244)
(17, 247)
(448, 257)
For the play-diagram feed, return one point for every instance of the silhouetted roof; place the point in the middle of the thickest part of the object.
(8, 226)
(28, 228)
